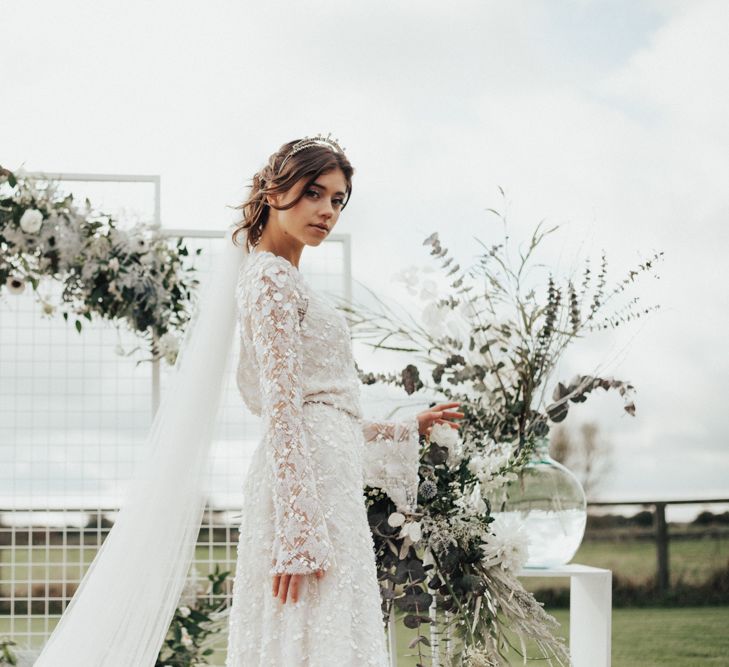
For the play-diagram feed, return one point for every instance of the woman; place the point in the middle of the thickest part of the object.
(305, 591)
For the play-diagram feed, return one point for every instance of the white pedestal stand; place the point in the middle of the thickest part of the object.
(590, 613)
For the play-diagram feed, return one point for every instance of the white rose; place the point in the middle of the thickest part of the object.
(31, 221)
(184, 611)
(444, 435)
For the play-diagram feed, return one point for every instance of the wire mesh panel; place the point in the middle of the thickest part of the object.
(74, 413)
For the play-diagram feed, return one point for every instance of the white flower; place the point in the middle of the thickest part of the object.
(396, 519)
(508, 545)
(186, 639)
(433, 317)
(444, 435)
(449, 437)
(169, 346)
(114, 264)
(428, 290)
(412, 531)
(184, 611)
(15, 284)
(48, 308)
(471, 503)
(138, 244)
(31, 221)
(408, 276)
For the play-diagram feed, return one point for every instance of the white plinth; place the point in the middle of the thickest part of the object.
(590, 613)
(591, 601)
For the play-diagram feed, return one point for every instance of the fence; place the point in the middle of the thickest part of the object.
(662, 536)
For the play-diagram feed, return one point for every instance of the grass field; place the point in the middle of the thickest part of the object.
(687, 637)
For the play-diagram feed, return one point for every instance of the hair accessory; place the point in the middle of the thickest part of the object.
(306, 142)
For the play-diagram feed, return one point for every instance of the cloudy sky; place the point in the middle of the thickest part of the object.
(606, 118)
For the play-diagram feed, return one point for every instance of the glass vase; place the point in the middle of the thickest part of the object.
(550, 502)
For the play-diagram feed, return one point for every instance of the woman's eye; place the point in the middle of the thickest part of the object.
(339, 201)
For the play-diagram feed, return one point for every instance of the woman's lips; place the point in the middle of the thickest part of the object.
(321, 229)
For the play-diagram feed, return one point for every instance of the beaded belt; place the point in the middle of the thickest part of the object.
(331, 405)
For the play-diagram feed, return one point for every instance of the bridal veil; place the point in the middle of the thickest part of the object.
(124, 604)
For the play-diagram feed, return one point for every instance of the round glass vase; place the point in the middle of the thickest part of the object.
(550, 502)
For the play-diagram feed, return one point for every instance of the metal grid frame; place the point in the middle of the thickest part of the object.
(49, 534)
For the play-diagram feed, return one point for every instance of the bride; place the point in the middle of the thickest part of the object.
(305, 592)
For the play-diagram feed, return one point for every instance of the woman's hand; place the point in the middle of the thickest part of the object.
(286, 586)
(438, 414)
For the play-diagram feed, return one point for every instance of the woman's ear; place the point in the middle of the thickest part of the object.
(272, 199)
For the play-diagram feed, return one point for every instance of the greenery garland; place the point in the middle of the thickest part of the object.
(136, 276)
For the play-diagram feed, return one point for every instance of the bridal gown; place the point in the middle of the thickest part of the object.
(303, 502)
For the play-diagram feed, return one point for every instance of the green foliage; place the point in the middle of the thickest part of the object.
(7, 655)
(499, 367)
(195, 628)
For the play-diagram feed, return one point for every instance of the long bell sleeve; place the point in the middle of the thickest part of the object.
(301, 543)
(392, 458)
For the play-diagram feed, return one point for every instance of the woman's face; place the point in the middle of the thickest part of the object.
(314, 217)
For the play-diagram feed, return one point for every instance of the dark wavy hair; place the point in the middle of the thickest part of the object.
(309, 163)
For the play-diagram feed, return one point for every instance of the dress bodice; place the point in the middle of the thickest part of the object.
(328, 372)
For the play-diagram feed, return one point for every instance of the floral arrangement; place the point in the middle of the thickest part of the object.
(133, 276)
(198, 621)
(451, 565)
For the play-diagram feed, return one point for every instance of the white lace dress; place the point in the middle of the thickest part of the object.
(303, 503)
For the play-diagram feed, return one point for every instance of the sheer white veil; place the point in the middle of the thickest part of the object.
(125, 602)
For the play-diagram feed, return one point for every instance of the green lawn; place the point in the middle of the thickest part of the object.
(641, 637)
(687, 637)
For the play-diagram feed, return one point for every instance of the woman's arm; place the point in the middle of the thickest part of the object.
(301, 543)
(391, 459)
(392, 453)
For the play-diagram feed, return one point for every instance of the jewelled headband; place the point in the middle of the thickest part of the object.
(307, 142)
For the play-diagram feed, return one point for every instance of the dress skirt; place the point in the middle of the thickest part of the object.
(337, 621)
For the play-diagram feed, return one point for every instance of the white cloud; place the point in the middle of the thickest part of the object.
(607, 118)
